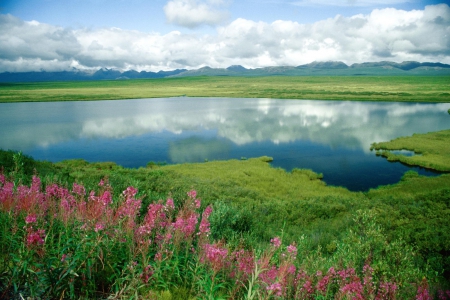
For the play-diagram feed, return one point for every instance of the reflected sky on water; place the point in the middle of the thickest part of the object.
(330, 137)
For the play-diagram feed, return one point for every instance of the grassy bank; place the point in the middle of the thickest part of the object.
(431, 150)
(384, 88)
(401, 231)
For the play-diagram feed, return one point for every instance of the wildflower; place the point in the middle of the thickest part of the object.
(422, 291)
(292, 250)
(245, 261)
(275, 289)
(215, 256)
(197, 203)
(63, 258)
(130, 192)
(269, 276)
(35, 237)
(276, 242)
(204, 224)
(78, 189)
(147, 274)
(169, 204)
(354, 289)
(106, 198)
(35, 184)
(192, 194)
(322, 285)
(99, 227)
(158, 256)
(387, 290)
(186, 225)
(30, 219)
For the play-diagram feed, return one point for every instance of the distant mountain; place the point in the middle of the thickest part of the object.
(77, 75)
(236, 68)
(406, 65)
(324, 65)
(317, 68)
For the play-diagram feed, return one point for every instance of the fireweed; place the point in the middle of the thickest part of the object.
(70, 243)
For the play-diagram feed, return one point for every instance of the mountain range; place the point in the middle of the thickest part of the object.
(329, 68)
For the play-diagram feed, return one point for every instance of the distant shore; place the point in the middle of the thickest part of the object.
(354, 88)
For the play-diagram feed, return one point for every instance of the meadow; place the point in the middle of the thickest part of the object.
(237, 229)
(361, 88)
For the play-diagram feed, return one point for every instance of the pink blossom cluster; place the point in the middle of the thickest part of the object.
(276, 242)
(165, 228)
(215, 255)
(204, 223)
(35, 237)
(147, 274)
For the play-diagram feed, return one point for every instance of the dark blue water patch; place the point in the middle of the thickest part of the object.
(351, 168)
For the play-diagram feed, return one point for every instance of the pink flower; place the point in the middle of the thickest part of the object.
(63, 258)
(215, 256)
(99, 227)
(106, 198)
(292, 250)
(169, 203)
(36, 237)
(204, 224)
(186, 225)
(322, 285)
(192, 194)
(276, 242)
(130, 192)
(147, 274)
(276, 289)
(269, 276)
(422, 291)
(245, 261)
(30, 219)
(78, 189)
(197, 203)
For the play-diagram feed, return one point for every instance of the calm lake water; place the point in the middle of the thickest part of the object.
(329, 137)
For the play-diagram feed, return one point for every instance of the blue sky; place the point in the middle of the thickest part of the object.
(168, 34)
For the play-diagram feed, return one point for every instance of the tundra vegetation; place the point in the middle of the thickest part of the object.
(366, 88)
(237, 229)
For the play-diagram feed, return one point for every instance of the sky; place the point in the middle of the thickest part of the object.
(154, 35)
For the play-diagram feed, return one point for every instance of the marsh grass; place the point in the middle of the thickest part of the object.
(432, 150)
(401, 231)
(383, 88)
(74, 244)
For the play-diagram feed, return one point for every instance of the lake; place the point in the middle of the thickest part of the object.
(329, 137)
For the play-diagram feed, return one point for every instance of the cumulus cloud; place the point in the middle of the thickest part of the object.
(366, 3)
(384, 34)
(194, 13)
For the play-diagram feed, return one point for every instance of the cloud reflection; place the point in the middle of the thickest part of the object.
(240, 121)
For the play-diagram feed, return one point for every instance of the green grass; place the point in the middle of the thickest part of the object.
(383, 88)
(432, 150)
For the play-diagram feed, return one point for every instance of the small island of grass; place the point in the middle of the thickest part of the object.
(432, 150)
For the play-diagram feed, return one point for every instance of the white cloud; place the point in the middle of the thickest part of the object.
(360, 3)
(384, 34)
(194, 13)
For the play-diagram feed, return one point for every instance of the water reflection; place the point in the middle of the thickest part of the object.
(133, 132)
(241, 121)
